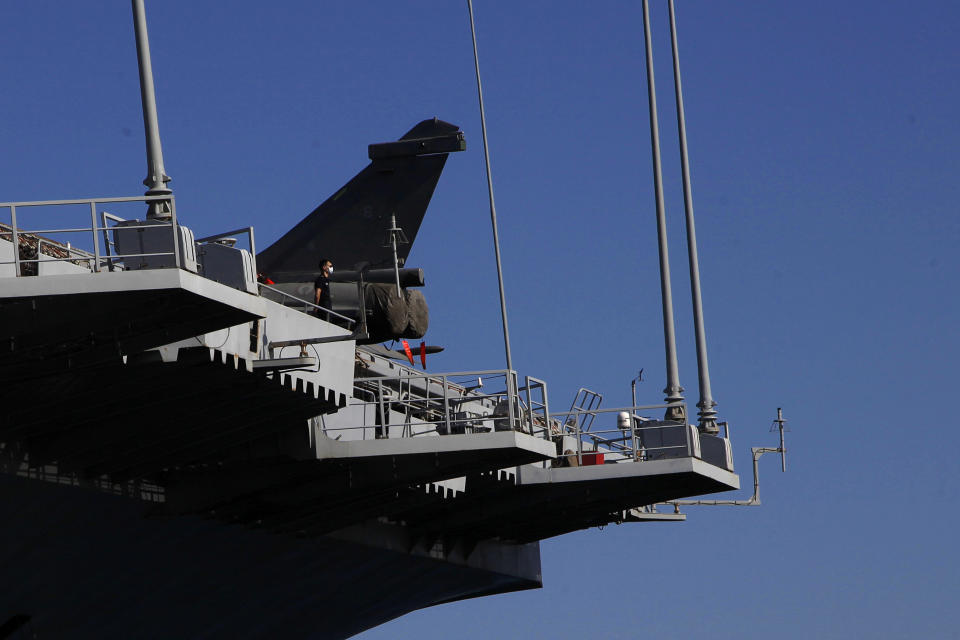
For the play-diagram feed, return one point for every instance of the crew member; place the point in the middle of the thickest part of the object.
(321, 289)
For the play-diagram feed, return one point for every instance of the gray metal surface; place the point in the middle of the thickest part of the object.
(150, 244)
(228, 265)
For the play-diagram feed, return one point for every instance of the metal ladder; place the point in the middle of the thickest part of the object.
(584, 402)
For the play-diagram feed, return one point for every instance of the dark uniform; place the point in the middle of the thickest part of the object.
(322, 283)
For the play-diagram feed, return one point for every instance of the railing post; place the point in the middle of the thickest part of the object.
(15, 240)
(579, 440)
(633, 434)
(546, 410)
(253, 251)
(529, 405)
(176, 234)
(446, 403)
(384, 431)
(96, 243)
(511, 393)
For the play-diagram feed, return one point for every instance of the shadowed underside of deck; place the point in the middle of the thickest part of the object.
(83, 564)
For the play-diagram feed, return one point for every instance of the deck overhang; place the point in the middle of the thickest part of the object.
(541, 503)
(139, 419)
(49, 323)
(511, 448)
(350, 482)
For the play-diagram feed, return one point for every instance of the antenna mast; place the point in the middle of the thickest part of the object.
(395, 236)
(780, 422)
(708, 416)
(493, 208)
(157, 179)
(673, 390)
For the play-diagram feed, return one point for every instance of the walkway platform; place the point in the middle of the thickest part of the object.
(350, 482)
(541, 503)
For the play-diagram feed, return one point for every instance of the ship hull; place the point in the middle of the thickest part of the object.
(84, 564)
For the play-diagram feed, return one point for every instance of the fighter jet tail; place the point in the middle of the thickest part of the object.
(350, 226)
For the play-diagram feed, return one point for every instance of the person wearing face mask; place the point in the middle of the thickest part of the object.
(321, 289)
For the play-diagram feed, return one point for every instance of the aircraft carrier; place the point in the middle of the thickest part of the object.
(201, 450)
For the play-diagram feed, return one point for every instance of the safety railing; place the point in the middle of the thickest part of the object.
(412, 404)
(31, 246)
(305, 305)
(634, 438)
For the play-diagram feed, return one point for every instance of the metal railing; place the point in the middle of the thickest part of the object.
(412, 404)
(640, 439)
(308, 307)
(99, 253)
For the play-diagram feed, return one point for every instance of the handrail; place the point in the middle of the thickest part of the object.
(48, 203)
(627, 444)
(307, 303)
(440, 406)
(94, 229)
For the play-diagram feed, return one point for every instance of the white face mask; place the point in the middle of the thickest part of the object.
(330, 269)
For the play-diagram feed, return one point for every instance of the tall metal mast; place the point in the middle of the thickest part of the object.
(157, 179)
(708, 417)
(673, 390)
(493, 208)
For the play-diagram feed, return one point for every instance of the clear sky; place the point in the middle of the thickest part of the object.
(823, 141)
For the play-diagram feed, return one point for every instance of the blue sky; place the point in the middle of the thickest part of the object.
(823, 143)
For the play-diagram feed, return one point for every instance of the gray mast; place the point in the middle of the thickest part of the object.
(673, 390)
(157, 179)
(708, 417)
(493, 208)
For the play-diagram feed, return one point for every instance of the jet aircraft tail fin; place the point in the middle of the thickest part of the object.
(349, 228)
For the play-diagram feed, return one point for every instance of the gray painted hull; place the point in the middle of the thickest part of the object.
(84, 564)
